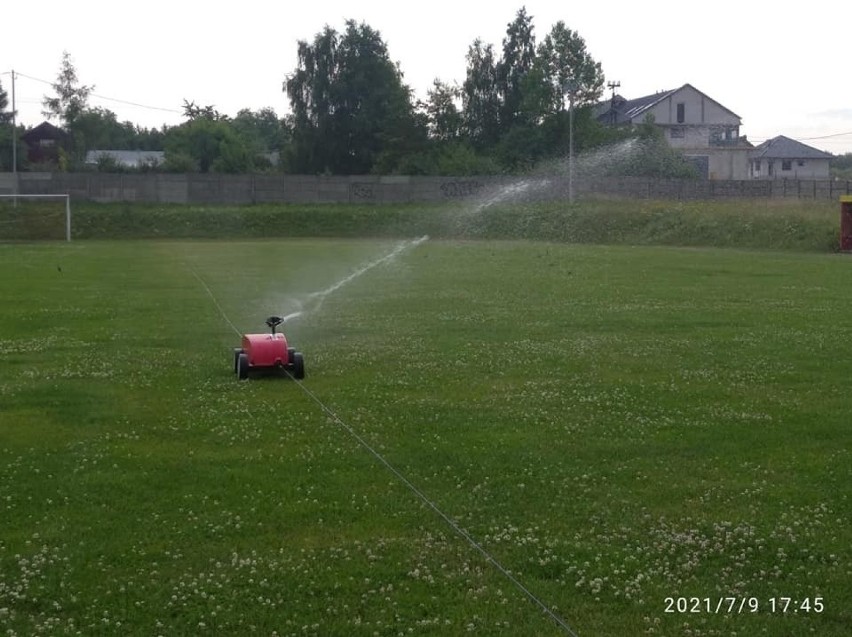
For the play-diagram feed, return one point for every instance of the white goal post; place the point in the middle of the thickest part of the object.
(66, 197)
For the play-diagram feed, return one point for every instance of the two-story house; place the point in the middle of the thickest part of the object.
(705, 132)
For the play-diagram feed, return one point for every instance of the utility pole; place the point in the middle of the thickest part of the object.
(570, 88)
(14, 147)
(612, 86)
(613, 115)
(571, 147)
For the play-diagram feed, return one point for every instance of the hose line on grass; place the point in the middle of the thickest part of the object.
(405, 481)
(422, 496)
(215, 302)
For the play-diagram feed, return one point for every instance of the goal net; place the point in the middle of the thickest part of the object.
(35, 218)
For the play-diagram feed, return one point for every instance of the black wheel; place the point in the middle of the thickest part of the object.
(242, 366)
(298, 366)
(237, 352)
(291, 352)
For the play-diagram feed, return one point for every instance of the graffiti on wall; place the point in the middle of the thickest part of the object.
(361, 192)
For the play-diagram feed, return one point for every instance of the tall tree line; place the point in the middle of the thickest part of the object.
(352, 113)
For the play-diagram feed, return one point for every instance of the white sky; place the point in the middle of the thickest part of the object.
(784, 71)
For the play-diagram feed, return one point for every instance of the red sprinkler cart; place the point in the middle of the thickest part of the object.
(268, 353)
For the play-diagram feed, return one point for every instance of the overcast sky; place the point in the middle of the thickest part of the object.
(783, 71)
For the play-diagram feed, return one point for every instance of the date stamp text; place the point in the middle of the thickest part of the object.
(742, 605)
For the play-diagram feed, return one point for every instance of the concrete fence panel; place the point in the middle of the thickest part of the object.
(393, 189)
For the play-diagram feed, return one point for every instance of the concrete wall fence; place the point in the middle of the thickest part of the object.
(246, 189)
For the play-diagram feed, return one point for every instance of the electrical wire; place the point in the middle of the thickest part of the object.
(104, 97)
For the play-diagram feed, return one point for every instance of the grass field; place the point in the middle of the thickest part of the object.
(615, 426)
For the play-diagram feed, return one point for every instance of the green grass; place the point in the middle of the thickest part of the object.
(801, 225)
(615, 425)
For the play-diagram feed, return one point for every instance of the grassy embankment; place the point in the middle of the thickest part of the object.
(763, 224)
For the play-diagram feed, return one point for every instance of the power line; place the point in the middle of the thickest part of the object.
(830, 136)
(815, 137)
(104, 97)
(153, 108)
(827, 136)
(30, 77)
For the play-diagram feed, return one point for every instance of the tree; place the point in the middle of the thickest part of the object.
(5, 116)
(192, 112)
(99, 128)
(444, 118)
(841, 166)
(150, 138)
(517, 61)
(566, 63)
(480, 97)
(262, 129)
(207, 142)
(309, 89)
(459, 159)
(6, 135)
(349, 103)
(71, 99)
(264, 134)
(541, 126)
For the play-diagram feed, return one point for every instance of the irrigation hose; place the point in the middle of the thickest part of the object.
(382, 460)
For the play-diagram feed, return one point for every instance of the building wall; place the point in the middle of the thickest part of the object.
(701, 128)
(697, 109)
(796, 169)
(712, 136)
(687, 136)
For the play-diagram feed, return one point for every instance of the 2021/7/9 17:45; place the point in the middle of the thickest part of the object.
(738, 605)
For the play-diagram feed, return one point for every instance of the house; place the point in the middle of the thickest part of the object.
(126, 158)
(782, 157)
(695, 124)
(44, 143)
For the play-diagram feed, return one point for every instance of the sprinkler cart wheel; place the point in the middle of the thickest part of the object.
(242, 366)
(268, 353)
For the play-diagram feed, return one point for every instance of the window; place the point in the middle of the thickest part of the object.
(786, 164)
(800, 162)
(677, 132)
(681, 113)
(723, 135)
(47, 143)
